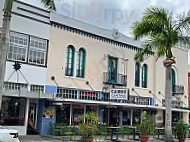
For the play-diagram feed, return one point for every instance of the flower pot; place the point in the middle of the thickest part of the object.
(144, 138)
(182, 140)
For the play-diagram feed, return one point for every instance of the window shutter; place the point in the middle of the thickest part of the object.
(72, 61)
(83, 62)
(68, 53)
(137, 75)
(145, 76)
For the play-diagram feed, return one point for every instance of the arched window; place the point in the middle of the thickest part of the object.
(173, 80)
(81, 63)
(137, 75)
(70, 60)
(144, 76)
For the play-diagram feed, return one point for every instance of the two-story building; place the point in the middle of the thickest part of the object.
(24, 86)
(85, 62)
(69, 68)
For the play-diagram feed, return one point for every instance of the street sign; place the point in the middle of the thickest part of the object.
(119, 94)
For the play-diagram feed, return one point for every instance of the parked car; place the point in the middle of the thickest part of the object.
(8, 135)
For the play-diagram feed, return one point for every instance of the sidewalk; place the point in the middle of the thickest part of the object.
(49, 138)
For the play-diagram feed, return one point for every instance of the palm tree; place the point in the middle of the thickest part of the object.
(162, 32)
(4, 40)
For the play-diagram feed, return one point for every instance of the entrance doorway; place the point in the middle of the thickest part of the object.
(114, 117)
(31, 129)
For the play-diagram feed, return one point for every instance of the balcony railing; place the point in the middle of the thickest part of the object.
(115, 78)
(177, 89)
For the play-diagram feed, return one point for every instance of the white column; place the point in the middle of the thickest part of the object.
(71, 112)
(84, 111)
(131, 117)
(26, 114)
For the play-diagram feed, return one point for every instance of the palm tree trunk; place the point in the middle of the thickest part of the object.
(4, 44)
(168, 103)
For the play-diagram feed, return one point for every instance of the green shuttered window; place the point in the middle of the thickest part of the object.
(112, 69)
(144, 76)
(70, 60)
(173, 80)
(81, 63)
(137, 75)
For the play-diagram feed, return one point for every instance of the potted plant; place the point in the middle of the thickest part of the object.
(181, 131)
(146, 127)
(89, 126)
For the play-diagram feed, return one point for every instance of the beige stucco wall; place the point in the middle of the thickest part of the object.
(97, 63)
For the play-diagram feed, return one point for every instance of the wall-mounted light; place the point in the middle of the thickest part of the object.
(53, 79)
(159, 92)
(150, 91)
(87, 83)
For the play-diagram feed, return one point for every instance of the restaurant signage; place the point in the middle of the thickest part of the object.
(119, 94)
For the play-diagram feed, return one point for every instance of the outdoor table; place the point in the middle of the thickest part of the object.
(133, 128)
(159, 129)
(112, 129)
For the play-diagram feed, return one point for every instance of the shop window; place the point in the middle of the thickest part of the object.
(91, 109)
(37, 52)
(144, 76)
(13, 111)
(136, 116)
(70, 60)
(78, 111)
(63, 114)
(112, 70)
(81, 63)
(137, 75)
(126, 117)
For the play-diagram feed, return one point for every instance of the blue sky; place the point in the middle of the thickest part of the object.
(112, 14)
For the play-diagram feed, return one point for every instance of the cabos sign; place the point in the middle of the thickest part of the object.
(119, 94)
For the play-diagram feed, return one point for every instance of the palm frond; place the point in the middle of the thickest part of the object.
(183, 24)
(49, 4)
(184, 41)
(142, 52)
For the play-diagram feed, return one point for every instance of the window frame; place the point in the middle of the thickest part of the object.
(110, 73)
(81, 63)
(70, 48)
(28, 48)
(137, 74)
(144, 75)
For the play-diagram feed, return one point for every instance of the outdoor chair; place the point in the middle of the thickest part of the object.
(137, 132)
(161, 132)
(57, 128)
(119, 132)
(68, 132)
(126, 131)
(104, 131)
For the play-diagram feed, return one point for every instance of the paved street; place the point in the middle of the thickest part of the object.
(47, 138)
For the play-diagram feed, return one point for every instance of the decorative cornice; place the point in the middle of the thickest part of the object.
(93, 36)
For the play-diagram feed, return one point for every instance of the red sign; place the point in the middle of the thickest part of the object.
(88, 94)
